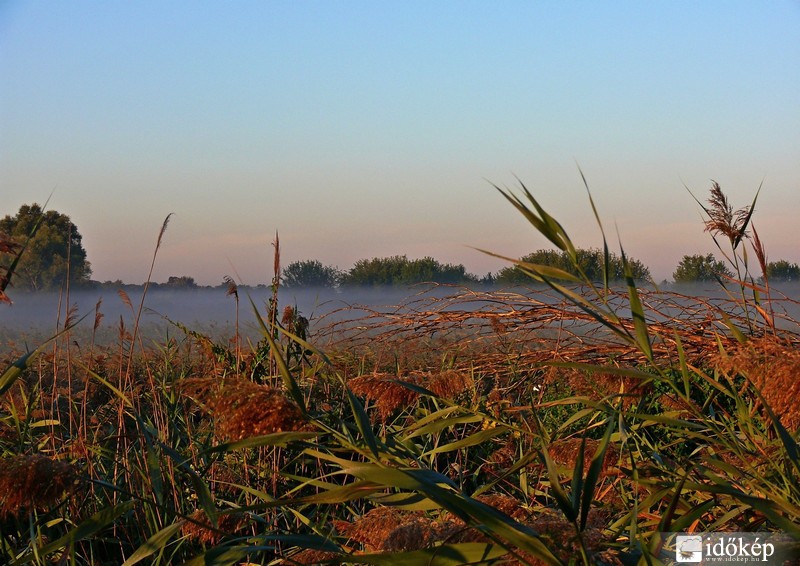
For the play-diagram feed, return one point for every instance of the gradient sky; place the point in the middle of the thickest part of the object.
(363, 129)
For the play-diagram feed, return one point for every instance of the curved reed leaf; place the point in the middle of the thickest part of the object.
(155, 543)
(97, 522)
(464, 553)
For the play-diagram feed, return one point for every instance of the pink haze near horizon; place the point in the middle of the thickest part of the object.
(366, 129)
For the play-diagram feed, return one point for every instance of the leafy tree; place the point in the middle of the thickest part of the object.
(399, 270)
(591, 261)
(44, 264)
(310, 273)
(700, 268)
(376, 271)
(782, 270)
(182, 282)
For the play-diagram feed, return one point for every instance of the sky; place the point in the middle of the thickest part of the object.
(368, 129)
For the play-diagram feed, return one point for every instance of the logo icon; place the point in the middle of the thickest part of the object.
(688, 548)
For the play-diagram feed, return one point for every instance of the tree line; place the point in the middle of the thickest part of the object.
(40, 250)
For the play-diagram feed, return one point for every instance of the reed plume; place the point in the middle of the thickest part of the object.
(29, 482)
(772, 366)
(372, 529)
(311, 556)
(389, 394)
(199, 528)
(722, 219)
(243, 409)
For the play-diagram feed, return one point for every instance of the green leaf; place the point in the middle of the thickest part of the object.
(472, 440)
(153, 544)
(595, 469)
(97, 522)
(272, 439)
(443, 555)
(637, 311)
(288, 380)
(558, 493)
(363, 423)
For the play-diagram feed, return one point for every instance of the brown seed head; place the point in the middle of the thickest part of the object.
(773, 367)
(722, 219)
(384, 391)
(310, 556)
(419, 533)
(243, 409)
(565, 453)
(389, 394)
(373, 527)
(34, 482)
(200, 530)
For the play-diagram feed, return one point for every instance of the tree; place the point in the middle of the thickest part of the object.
(399, 270)
(591, 261)
(700, 268)
(310, 273)
(782, 270)
(182, 282)
(54, 251)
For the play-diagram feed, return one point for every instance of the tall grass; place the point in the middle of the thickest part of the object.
(575, 424)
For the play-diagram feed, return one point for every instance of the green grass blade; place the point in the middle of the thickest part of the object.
(273, 439)
(595, 469)
(558, 493)
(472, 440)
(444, 555)
(97, 522)
(637, 311)
(576, 488)
(154, 544)
(606, 254)
(288, 380)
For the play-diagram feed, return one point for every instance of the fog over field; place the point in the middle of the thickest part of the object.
(34, 317)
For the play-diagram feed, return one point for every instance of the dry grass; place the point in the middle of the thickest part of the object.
(372, 529)
(565, 453)
(722, 219)
(199, 528)
(773, 367)
(244, 409)
(485, 331)
(34, 482)
(389, 394)
(309, 556)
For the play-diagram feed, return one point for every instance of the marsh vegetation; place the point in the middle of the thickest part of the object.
(575, 422)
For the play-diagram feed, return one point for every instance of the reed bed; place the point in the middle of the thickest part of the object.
(566, 423)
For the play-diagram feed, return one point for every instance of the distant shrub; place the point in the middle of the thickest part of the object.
(700, 268)
(310, 273)
(399, 270)
(591, 261)
(782, 270)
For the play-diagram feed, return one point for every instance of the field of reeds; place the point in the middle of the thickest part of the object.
(571, 422)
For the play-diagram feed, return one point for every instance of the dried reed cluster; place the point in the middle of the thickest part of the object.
(722, 219)
(386, 529)
(200, 530)
(565, 453)
(35, 481)
(243, 409)
(310, 556)
(773, 367)
(389, 393)
(597, 386)
(293, 322)
(560, 537)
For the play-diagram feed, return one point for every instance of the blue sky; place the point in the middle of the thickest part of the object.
(362, 129)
